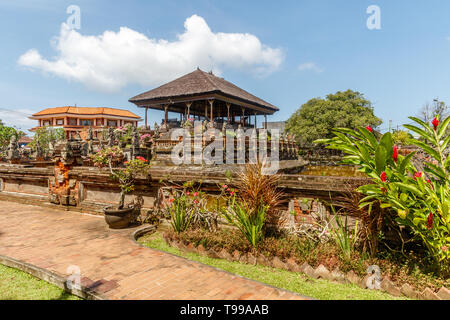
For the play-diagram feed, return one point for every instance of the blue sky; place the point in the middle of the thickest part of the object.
(399, 68)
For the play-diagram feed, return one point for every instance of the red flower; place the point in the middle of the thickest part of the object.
(232, 193)
(395, 154)
(171, 200)
(141, 158)
(383, 176)
(417, 175)
(369, 128)
(430, 221)
(435, 123)
(188, 193)
(195, 194)
(224, 186)
(196, 201)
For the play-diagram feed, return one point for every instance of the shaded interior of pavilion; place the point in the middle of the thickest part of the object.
(214, 111)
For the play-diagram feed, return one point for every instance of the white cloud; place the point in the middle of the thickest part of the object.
(18, 118)
(112, 60)
(309, 66)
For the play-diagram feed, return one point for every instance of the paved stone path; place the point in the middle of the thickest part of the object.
(111, 262)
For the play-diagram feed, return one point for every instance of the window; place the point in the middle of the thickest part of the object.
(46, 123)
(99, 122)
(85, 122)
(112, 123)
(59, 122)
(72, 121)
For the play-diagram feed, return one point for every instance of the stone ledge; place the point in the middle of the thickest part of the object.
(53, 278)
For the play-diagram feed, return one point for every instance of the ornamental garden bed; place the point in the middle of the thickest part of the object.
(317, 260)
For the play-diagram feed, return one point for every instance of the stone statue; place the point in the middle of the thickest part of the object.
(134, 143)
(38, 150)
(111, 137)
(13, 149)
(90, 134)
(156, 132)
(90, 144)
(51, 149)
(66, 153)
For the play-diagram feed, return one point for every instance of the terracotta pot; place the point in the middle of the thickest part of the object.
(118, 218)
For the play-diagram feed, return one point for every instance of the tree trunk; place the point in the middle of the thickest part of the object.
(122, 200)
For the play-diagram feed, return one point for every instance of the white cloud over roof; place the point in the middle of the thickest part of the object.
(112, 60)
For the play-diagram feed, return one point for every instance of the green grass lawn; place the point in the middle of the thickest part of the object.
(18, 285)
(300, 283)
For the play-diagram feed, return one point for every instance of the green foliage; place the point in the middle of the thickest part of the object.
(180, 213)
(317, 118)
(343, 237)
(420, 201)
(46, 136)
(113, 156)
(125, 133)
(189, 209)
(401, 137)
(6, 133)
(248, 222)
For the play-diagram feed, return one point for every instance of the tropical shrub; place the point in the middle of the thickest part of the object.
(188, 209)
(180, 213)
(421, 200)
(249, 221)
(258, 190)
(344, 238)
(125, 175)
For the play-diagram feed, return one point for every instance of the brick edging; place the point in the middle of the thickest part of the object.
(50, 277)
(321, 271)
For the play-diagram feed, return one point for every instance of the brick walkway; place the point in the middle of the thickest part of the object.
(111, 262)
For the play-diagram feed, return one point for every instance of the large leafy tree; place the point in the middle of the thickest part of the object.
(317, 118)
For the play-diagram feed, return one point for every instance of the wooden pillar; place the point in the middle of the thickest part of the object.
(255, 121)
(228, 112)
(243, 117)
(211, 102)
(166, 113)
(146, 123)
(206, 110)
(265, 121)
(188, 105)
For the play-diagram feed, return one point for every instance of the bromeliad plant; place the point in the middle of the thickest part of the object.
(420, 200)
(249, 222)
(188, 209)
(126, 175)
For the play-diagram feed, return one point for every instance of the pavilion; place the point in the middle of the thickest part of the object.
(204, 96)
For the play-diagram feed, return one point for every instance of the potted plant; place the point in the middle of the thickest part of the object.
(120, 216)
